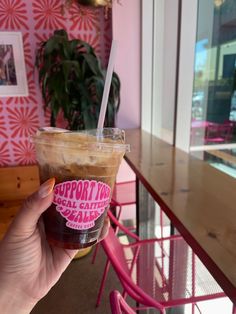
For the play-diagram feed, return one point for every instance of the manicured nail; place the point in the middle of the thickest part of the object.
(46, 188)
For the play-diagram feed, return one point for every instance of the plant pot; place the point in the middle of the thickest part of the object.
(94, 3)
(83, 252)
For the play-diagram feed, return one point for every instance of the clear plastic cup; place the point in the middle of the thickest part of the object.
(84, 165)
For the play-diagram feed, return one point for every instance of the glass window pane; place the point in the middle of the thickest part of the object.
(214, 93)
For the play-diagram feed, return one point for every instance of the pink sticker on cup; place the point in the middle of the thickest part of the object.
(81, 202)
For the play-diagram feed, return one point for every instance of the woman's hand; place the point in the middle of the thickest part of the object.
(29, 266)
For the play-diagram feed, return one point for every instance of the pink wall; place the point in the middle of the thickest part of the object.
(126, 29)
(36, 20)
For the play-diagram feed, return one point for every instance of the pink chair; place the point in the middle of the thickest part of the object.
(219, 133)
(119, 305)
(157, 273)
(124, 194)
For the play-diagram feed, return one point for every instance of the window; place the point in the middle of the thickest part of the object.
(188, 77)
(213, 115)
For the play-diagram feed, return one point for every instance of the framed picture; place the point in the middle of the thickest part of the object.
(13, 81)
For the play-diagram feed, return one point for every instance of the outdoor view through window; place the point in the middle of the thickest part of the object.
(213, 125)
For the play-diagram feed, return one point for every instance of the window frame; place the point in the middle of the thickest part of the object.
(155, 73)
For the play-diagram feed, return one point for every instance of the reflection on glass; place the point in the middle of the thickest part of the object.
(213, 125)
(223, 160)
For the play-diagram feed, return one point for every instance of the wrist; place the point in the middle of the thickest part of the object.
(15, 301)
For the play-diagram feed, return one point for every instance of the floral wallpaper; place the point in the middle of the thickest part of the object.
(36, 20)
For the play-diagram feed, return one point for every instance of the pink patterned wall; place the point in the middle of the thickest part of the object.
(37, 19)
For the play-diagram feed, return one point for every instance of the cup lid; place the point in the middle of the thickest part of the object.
(105, 140)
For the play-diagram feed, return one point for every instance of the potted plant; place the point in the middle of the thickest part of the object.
(93, 3)
(107, 4)
(72, 81)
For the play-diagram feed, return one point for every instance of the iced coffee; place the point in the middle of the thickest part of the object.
(84, 165)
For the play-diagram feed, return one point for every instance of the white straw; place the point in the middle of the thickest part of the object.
(107, 85)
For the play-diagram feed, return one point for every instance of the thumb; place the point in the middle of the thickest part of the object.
(28, 216)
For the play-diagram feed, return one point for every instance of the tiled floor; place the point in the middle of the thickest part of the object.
(76, 291)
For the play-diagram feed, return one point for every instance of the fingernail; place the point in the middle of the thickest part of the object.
(46, 188)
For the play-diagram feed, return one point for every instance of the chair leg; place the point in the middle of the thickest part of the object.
(103, 283)
(118, 213)
(234, 309)
(95, 253)
(124, 294)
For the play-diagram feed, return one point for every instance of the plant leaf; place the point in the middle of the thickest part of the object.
(72, 80)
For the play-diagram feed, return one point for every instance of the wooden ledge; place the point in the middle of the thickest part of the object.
(18, 182)
(15, 185)
(199, 200)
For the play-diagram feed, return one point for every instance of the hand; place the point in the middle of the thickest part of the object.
(29, 266)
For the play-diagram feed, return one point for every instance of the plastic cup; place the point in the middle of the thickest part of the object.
(84, 165)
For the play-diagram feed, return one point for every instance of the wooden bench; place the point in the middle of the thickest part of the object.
(16, 183)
